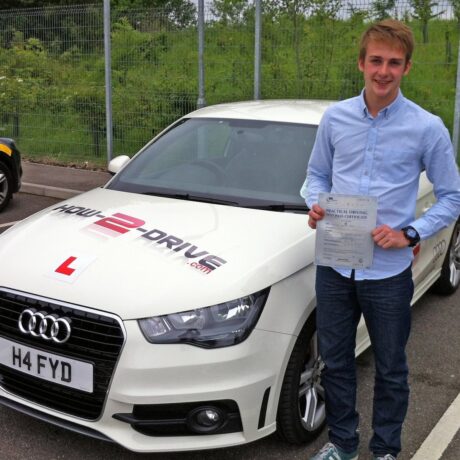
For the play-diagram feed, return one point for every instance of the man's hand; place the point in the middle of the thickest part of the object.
(315, 214)
(385, 237)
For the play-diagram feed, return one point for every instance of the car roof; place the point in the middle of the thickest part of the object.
(282, 110)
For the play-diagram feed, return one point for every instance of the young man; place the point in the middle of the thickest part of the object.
(376, 145)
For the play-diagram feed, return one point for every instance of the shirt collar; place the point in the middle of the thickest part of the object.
(387, 111)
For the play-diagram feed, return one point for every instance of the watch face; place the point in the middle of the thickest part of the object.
(411, 233)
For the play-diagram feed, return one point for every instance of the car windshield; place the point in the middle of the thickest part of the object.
(237, 162)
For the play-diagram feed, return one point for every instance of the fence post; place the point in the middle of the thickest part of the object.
(108, 80)
(201, 102)
(257, 49)
(455, 133)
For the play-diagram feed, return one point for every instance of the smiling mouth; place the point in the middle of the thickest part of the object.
(382, 83)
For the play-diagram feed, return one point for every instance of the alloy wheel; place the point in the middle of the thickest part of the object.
(3, 187)
(454, 257)
(311, 393)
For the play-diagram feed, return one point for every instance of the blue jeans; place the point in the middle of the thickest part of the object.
(385, 305)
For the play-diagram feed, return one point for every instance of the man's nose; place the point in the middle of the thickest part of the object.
(384, 68)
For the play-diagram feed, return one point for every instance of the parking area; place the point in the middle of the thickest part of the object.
(435, 384)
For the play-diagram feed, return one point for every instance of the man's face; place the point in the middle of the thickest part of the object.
(383, 69)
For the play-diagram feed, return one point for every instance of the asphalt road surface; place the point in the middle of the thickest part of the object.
(21, 206)
(434, 361)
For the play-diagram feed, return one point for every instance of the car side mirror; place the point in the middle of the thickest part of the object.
(118, 163)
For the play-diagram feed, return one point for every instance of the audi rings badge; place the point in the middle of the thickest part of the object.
(44, 325)
(439, 249)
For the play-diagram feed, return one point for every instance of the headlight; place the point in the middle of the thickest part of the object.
(218, 326)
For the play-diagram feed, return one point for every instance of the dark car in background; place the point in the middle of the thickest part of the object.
(10, 170)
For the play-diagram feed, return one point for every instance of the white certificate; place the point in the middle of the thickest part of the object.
(343, 237)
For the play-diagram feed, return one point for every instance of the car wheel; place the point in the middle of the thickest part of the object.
(301, 410)
(450, 272)
(6, 183)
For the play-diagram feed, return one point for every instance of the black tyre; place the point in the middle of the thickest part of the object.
(450, 272)
(301, 410)
(6, 185)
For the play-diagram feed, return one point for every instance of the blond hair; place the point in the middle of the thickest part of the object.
(388, 31)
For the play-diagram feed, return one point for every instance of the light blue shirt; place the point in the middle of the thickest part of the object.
(356, 154)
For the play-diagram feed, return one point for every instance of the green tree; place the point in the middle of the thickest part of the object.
(24, 72)
(13, 4)
(456, 6)
(423, 11)
(295, 11)
(325, 9)
(229, 11)
(357, 15)
(381, 8)
(180, 13)
(57, 32)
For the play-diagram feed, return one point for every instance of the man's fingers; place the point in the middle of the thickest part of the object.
(381, 230)
(318, 210)
(385, 237)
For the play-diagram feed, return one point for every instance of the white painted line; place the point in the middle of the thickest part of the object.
(9, 224)
(441, 435)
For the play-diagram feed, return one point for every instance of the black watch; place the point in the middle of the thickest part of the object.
(411, 235)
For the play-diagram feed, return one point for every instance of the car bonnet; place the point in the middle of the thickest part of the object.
(137, 256)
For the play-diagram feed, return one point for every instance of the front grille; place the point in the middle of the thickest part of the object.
(95, 338)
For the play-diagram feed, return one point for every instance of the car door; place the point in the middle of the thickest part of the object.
(425, 267)
(423, 252)
(430, 254)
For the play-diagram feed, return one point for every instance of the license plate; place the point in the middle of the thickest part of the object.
(47, 366)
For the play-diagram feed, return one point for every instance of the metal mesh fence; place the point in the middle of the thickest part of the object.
(154, 74)
(52, 65)
(52, 82)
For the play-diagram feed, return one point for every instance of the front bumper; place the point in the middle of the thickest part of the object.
(249, 374)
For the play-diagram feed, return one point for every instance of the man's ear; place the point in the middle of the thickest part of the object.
(361, 64)
(408, 67)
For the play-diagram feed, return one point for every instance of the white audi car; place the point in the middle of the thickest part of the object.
(174, 308)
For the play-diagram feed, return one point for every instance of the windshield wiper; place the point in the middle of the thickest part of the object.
(189, 197)
(282, 207)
